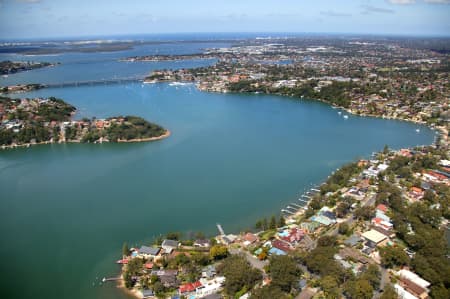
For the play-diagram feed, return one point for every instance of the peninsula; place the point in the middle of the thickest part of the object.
(389, 78)
(26, 122)
(374, 229)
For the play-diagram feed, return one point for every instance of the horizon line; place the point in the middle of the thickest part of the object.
(317, 33)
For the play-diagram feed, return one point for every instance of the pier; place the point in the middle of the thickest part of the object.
(219, 227)
(105, 279)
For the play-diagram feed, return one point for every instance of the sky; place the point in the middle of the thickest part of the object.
(72, 18)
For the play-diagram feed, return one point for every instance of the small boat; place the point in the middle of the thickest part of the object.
(418, 130)
(123, 261)
(339, 112)
(346, 116)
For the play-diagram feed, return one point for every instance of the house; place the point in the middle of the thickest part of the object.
(374, 238)
(352, 254)
(382, 230)
(204, 243)
(382, 223)
(416, 193)
(228, 239)
(147, 293)
(167, 277)
(169, 245)
(413, 283)
(149, 252)
(382, 208)
(309, 227)
(295, 235)
(189, 287)
(249, 238)
(169, 281)
(209, 271)
(353, 240)
(276, 251)
(281, 245)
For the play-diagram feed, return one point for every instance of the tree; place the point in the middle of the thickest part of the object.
(125, 249)
(284, 272)
(281, 221)
(326, 241)
(173, 236)
(389, 293)
(364, 213)
(268, 292)
(343, 228)
(393, 256)
(359, 289)
(372, 275)
(330, 287)
(273, 223)
(218, 252)
(127, 277)
(239, 274)
(440, 292)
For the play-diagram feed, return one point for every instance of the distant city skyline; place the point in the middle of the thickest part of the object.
(69, 18)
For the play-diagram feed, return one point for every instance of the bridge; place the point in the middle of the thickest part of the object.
(94, 82)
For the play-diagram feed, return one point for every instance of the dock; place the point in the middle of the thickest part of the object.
(105, 279)
(219, 227)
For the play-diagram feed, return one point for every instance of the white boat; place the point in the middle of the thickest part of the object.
(346, 116)
(418, 130)
(339, 112)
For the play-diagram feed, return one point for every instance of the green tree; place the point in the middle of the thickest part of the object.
(238, 274)
(393, 256)
(284, 272)
(359, 289)
(344, 228)
(269, 292)
(281, 221)
(372, 275)
(273, 223)
(330, 287)
(218, 252)
(173, 236)
(127, 277)
(389, 293)
(125, 249)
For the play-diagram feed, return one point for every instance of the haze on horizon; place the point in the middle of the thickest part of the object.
(75, 18)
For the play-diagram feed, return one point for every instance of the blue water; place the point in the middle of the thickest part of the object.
(65, 210)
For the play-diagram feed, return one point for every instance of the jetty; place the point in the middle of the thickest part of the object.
(105, 279)
(219, 227)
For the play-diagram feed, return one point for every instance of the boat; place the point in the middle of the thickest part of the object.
(346, 116)
(339, 112)
(123, 261)
(418, 130)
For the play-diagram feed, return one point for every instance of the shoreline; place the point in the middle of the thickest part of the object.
(163, 136)
(131, 292)
(149, 139)
(442, 130)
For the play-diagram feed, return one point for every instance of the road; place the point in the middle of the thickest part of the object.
(250, 258)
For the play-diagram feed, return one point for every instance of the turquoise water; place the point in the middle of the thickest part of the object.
(65, 210)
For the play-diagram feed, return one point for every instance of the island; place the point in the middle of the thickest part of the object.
(10, 67)
(26, 122)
